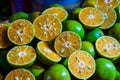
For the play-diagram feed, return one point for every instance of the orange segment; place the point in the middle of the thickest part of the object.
(60, 13)
(21, 56)
(20, 74)
(4, 41)
(81, 64)
(20, 32)
(108, 47)
(47, 27)
(91, 17)
(66, 43)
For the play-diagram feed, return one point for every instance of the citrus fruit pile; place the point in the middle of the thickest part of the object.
(56, 44)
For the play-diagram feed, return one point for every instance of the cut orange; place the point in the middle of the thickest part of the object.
(110, 17)
(81, 64)
(20, 74)
(58, 12)
(46, 54)
(20, 32)
(21, 56)
(108, 3)
(4, 41)
(47, 27)
(108, 47)
(91, 17)
(66, 43)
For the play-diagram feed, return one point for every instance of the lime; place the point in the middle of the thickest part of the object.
(60, 13)
(46, 54)
(57, 72)
(57, 5)
(20, 74)
(47, 27)
(118, 13)
(88, 46)
(18, 15)
(93, 35)
(20, 32)
(21, 56)
(66, 43)
(105, 69)
(81, 64)
(75, 26)
(117, 75)
(90, 3)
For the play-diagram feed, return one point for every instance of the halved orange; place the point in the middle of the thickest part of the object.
(47, 27)
(66, 43)
(110, 17)
(21, 32)
(81, 64)
(108, 3)
(107, 47)
(91, 17)
(58, 12)
(21, 56)
(46, 54)
(4, 41)
(20, 74)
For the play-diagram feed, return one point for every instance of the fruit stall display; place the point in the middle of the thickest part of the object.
(56, 44)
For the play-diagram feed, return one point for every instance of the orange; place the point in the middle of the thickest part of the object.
(66, 43)
(47, 27)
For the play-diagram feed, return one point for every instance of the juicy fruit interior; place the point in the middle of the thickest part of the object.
(47, 27)
(47, 51)
(81, 65)
(108, 46)
(19, 74)
(66, 43)
(21, 32)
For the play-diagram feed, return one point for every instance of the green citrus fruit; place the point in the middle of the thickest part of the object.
(57, 72)
(90, 3)
(75, 26)
(105, 69)
(118, 13)
(57, 5)
(88, 46)
(93, 35)
(118, 75)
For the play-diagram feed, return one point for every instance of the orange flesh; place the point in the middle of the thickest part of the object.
(47, 51)
(21, 55)
(57, 12)
(21, 32)
(4, 41)
(91, 17)
(81, 64)
(47, 27)
(19, 74)
(108, 46)
(109, 3)
(66, 43)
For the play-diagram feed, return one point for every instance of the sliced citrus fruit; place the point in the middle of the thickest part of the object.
(91, 17)
(47, 27)
(21, 56)
(58, 12)
(108, 47)
(46, 54)
(4, 41)
(20, 32)
(20, 74)
(66, 43)
(81, 64)
(110, 17)
(108, 3)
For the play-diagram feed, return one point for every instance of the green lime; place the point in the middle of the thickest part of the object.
(65, 62)
(57, 5)
(105, 69)
(118, 13)
(18, 15)
(75, 26)
(93, 35)
(88, 46)
(57, 72)
(90, 3)
(118, 75)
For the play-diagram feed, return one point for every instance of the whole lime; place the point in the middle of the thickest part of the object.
(105, 69)
(57, 72)
(75, 26)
